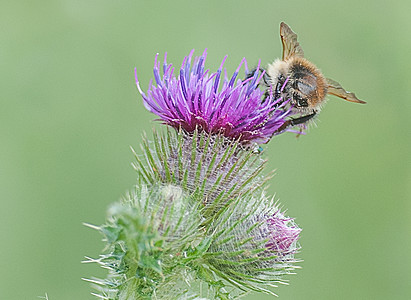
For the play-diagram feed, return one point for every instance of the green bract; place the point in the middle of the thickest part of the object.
(197, 224)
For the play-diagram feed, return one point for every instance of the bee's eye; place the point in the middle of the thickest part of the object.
(305, 87)
(302, 103)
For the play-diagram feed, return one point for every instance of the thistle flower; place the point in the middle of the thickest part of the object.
(254, 245)
(194, 99)
(282, 234)
(198, 224)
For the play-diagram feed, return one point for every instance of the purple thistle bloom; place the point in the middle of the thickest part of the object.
(197, 99)
(282, 234)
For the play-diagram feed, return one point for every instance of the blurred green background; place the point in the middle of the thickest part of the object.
(70, 110)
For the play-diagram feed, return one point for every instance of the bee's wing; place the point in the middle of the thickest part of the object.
(334, 88)
(291, 47)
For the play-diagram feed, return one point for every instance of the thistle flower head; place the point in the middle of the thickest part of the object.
(255, 244)
(282, 233)
(199, 99)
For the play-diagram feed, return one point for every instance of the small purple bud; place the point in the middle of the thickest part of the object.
(282, 234)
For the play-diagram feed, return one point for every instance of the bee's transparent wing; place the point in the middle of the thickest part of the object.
(291, 47)
(334, 88)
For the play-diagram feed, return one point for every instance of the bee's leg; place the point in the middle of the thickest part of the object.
(266, 78)
(265, 81)
(296, 121)
(302, 119)
(279, 86)
(250, 74)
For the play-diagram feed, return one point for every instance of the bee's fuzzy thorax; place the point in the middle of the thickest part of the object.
(301, 74)
(275, 69)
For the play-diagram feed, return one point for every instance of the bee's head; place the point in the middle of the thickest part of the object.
(306, 86)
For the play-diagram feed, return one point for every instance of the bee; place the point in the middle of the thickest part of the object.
(298, 80)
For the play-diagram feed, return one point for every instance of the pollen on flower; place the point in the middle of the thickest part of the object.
(196, 98)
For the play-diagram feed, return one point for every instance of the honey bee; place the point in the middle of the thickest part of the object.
(296, 79)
